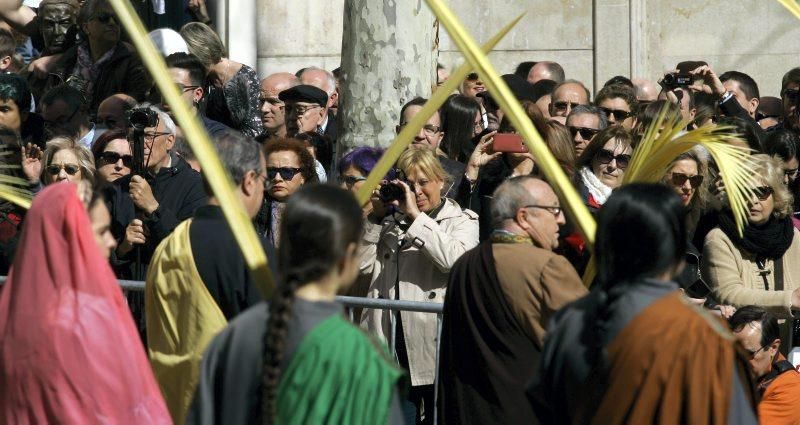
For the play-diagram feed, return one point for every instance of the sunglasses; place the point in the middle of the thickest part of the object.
(586, 133)
(351, 180)
(287, 173)
(562, 106)
(105, 17)
(762, 192)
(110, 157)
(792, 95)
(605, 156)
(54, 169)
(679, 179)
(619, 114)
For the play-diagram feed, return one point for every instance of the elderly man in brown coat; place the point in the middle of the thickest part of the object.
(500, 298)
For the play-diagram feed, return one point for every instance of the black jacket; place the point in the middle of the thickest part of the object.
(179, 192)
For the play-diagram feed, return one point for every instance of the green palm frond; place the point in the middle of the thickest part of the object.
(665, 139)
(12, 188)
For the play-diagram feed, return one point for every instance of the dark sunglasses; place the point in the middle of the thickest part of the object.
(105, 17)
(54, 169)
(472, 76)
(351, 180)
(619, 114)
(763, 192)
(792, 94)
(605, 156)
(586, 133)
(562, 106)
(287, 173)
(110, 157)
(679, 179)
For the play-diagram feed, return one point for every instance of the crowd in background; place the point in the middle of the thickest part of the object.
(466, 218)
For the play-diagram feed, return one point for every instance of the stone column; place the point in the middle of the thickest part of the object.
(612, 40)
(389, 50)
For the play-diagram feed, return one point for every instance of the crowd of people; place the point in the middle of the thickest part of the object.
(688, 320)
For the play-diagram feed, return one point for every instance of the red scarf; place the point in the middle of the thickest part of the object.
(69, 351)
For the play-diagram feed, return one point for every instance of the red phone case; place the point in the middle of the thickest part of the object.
(508, 142)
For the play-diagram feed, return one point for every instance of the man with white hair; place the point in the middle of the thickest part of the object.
(325, 81)
(145, 209)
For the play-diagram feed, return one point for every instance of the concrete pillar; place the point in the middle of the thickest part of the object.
(612, 41)
(388, 57)
(235, 21)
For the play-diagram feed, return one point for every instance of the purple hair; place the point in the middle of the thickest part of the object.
(363, 158)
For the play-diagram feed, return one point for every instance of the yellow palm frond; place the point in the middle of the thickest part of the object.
(665, 139)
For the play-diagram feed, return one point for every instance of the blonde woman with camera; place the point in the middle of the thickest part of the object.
(411, 241)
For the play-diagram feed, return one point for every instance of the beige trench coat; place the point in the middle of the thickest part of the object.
(421, 268)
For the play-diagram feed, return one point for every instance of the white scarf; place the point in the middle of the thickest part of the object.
(599, 191)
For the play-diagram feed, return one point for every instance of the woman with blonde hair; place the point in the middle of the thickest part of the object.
(232, 88)
(758, 268)
(66, 160)
(412, 238)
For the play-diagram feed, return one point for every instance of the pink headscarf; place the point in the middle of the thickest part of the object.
(69, 351)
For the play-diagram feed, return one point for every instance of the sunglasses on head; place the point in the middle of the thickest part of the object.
(110, 157)
(679, 179)
(586, 133)
(54, 169)
(562, 105)
(287, 173)
(605, 156)
(619, 114)
(762, 192)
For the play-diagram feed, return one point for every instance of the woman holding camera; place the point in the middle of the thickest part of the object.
(409, 245)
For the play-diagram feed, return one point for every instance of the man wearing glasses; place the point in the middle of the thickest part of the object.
(566, 96)
(145, 209)
(778, 382)
(189, 74)
(790, 97)
(515, 282)
(304, 108)
(584, 122)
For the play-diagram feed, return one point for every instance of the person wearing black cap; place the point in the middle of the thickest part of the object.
(305, 108)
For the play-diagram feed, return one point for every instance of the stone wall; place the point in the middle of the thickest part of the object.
(593, 40)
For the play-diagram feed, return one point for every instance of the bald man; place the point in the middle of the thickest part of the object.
(546, 70)
(111, 112)
(273, 115)
(646, 90)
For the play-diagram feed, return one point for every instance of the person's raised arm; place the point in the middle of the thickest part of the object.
(21, 18)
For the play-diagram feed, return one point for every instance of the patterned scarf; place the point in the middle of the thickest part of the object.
(504, 236)
(599, 191)
(86, 71)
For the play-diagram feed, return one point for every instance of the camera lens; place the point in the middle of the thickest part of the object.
(391, 192)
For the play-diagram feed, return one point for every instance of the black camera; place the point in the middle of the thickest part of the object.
(677, 80)
(392, 191)
(141, 118)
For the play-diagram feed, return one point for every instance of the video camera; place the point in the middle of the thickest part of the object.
(676, 79)
(138, 120)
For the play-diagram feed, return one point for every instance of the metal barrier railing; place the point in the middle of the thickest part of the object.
(395, 306)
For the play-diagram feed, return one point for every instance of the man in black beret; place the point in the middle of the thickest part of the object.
(305, 108)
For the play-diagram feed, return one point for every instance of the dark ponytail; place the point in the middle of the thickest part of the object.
(319, 223)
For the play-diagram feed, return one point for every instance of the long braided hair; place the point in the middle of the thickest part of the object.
(319, 223)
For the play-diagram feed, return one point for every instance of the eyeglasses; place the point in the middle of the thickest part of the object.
(287, 173)
(605, 156)
(556, 211)
(477, 127)
(792, 94)
(753, 353)
(791, 173)
(586, 133)
(679, 179)
(562, 105)
(111, 157)
(429, 129)
(619, 114)
(54, 169)
(762, 192)
(472, 76)
(151, 137)
(300, 110)
(350, 181)
(105, 17)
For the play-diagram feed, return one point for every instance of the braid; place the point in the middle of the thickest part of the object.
(274, 347)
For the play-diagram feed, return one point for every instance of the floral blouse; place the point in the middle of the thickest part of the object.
(236, 104)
